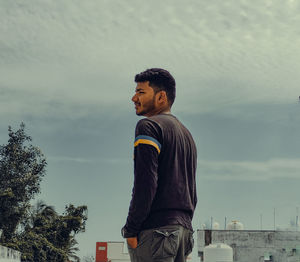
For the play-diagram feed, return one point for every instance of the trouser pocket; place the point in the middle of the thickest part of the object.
(164, 243)
(132, 253)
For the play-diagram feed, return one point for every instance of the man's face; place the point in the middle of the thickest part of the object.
(144, 99)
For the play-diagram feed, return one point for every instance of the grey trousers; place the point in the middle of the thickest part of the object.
(171, 243)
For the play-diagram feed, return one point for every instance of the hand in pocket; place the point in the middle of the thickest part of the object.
(132, 242)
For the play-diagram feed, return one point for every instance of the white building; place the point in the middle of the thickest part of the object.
(254, 245)
(9, 255)
(111, 252)
(114, 252)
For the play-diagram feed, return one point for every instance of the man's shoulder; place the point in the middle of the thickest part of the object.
(158, 123)
(155, 120)
(145, 122)
(148, 126)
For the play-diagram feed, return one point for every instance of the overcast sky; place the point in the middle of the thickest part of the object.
(67, 71)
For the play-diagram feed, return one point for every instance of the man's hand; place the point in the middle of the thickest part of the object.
(132, 242)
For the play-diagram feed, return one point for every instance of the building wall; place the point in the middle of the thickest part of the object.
(250, 246)
(115, 251)
(9, 255)
(111, 252)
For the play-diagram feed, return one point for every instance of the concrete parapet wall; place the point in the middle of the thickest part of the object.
(250, 245)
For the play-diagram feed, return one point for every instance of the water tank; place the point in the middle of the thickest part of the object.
(216, 226)
(218, 252)
(235, 225)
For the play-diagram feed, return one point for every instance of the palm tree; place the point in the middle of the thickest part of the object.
(72, 249)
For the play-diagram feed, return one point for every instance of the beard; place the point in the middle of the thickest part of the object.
(147, 107)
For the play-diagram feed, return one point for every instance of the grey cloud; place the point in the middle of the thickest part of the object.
(256, 132)
(72, 50)
(46, 92)
(111, 160)
(69, 159)
(250, 170)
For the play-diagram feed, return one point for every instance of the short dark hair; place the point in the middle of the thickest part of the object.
(160, 80)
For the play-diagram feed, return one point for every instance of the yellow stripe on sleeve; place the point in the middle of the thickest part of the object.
(147, 142)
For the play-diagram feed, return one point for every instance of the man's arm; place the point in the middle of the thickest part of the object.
(146, 151)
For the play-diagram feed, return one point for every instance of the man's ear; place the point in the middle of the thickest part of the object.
(162, 97)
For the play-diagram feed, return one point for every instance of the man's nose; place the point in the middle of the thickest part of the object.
(134, 98)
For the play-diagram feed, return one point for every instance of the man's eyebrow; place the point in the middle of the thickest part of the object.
(139, 89)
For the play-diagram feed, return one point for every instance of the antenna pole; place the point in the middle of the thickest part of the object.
(274, 219)
(297, 217)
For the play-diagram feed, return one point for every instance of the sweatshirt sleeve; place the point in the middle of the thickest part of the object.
(147, 147)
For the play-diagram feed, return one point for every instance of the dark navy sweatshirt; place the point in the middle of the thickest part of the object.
(165, 160)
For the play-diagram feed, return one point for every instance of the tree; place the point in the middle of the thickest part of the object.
(22, 167)
(88, 258)
(38, 232)
(48, 236)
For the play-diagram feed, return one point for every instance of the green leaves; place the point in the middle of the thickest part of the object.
(52, 233)
(22, 167)
(38, 232)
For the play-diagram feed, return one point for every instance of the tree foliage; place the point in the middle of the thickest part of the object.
(52, 236)
(88, 258)
(22, 167)
(38, 232)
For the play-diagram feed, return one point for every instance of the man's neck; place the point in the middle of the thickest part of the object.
(159, 112)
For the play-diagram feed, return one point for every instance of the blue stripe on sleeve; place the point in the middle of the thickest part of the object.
(148, 138)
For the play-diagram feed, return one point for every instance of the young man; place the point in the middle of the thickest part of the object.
(159, 222)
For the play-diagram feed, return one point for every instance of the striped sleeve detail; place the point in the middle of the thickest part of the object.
(147, 140)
